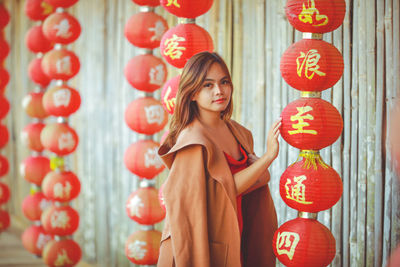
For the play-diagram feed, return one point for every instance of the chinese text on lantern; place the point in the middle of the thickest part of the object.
(137, 250)
(62, 259)
(286, 243)
(173, 50)
(310, 14)
(296, 191)
(309, 64)
(300, 117)
(173, 2)
(171, 102)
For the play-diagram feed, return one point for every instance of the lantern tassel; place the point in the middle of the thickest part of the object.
(312, 159)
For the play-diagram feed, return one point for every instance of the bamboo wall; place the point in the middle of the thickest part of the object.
(252, 36)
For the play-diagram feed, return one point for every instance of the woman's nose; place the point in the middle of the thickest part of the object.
(218, 89)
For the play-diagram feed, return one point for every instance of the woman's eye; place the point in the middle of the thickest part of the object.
(208, 85)
(225, 82)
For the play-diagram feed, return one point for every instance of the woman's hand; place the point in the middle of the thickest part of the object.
(272, 139)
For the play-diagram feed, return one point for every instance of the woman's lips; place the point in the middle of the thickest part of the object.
(219, 101)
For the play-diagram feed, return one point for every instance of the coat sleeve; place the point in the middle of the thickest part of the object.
(186, 203)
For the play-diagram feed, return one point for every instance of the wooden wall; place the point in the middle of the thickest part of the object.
(251, 35)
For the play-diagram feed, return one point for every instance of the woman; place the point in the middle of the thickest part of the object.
(219, 208)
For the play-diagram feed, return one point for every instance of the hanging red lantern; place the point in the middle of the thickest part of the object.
(4, 219)
(4, 79)
(312, 65)
(4, 166)
(184, 41)
(36, 41)
(36, 73)
(60, 64)
(64, 253)
(4, 16)
(35, 238)
(146, 73)
(3, 136)
(168, 94)
(304, 243)
(61, 3)
(311, 189)
(59, 138)
(34, 205)
(61, 221)
(4, 193)
(4, 107)
(61, 186)
(38, 9)
(145, 29)
(161, 197)
(141, 159)
(142, 247)
(311, 123)
(4, 49)
(31, 136)
(316, 16)
(61, 28)
(146, 115)
(143, 207)
(187, 9)
(33, 105)
(152, 3)
(35, 168)
(61, 101)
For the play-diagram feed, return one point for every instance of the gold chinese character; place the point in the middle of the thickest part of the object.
(62, 259)
(173, 50)
(309, 63)
(286, 243)
(173, 2)
(61, 191)
(60, 219)
(297, 191)
(47, 8)
(300, 117)
(310, 14)
(170, 103)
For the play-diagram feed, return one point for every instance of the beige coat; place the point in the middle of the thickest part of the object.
(201, 226)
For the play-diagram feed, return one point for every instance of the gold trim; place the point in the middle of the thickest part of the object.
(311, 94)
(186, 21)
(307, 215)
(311, 35)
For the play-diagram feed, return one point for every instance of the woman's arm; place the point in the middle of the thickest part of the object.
(246, 178)
(262, 180)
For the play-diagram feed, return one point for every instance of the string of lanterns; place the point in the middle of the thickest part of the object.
(4, 109)
(145, 115)
(310, 124)
(35, 167)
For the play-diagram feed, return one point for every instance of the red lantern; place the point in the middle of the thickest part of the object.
(38, 9)
(61, 101)
(35, 168)
(3, 136)
(31, 136)
(36, 73)
(143, 207)
(142, 247)
(4, 79)
(33, 105)
(4, 193)
(184, 41)
(317, 16)
(146, 116)
(62, 220)
(61, 186)
(311, 123)
(141, 159)
(310, 190)
(64, 253)
(304, 243)
(35, 239)
(185, 8)
(4, 49)
(61, 28)
(145, 29)
(59, 138)
(34, 205)
(146, 73)
(4, 107)
(60, 64)
(61, 3)
(36, 41)
(4, 16)
(4, 166)
(4, 219)
(152, 3)
(161, 197)
(312, 65)
(168, 94)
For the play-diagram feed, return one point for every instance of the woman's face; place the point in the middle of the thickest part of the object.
(216, 90)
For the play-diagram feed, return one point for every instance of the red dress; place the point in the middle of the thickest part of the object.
(236, 166)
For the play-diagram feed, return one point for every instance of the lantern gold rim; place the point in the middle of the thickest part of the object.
(186, 21)
(311, 94)
(307, 215)
(312, 35)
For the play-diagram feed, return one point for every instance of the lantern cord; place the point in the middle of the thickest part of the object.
(312, 159)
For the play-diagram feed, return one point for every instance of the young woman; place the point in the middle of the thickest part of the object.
(219, 208)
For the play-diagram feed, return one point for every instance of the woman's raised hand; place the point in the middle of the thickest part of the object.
(272, 139)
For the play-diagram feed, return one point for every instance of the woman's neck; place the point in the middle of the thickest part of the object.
(211, 119)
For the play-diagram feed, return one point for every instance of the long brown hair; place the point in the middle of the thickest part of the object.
(193, 76)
